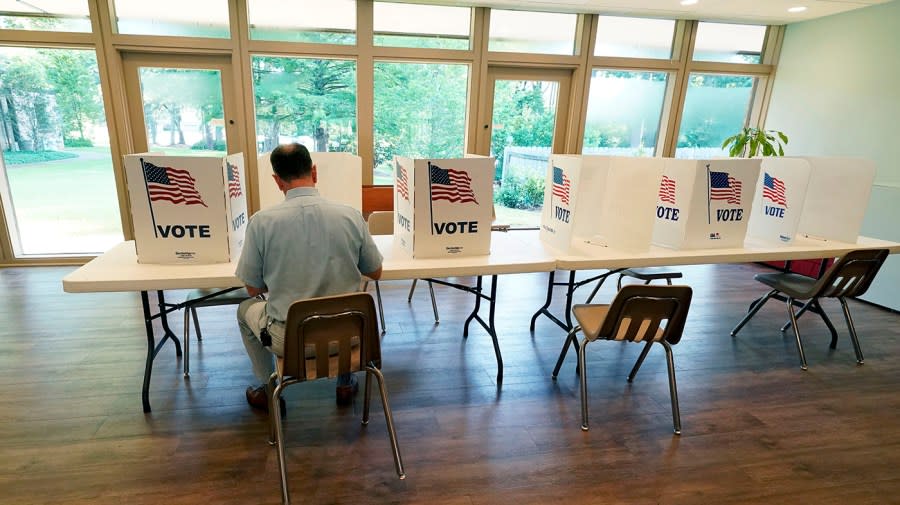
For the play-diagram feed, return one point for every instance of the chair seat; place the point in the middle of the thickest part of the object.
(793, 285)
(591, 317)
(229, 298)
(651, 273)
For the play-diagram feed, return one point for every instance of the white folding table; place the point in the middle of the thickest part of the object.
(118, 270)
(586, 256)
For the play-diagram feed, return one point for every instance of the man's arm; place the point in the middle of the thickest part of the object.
(258, 291)
(372, 275)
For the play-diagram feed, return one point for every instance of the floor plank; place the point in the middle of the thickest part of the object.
(756, 429)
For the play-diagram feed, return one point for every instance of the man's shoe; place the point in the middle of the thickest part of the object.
(345, 390)
(258, 399)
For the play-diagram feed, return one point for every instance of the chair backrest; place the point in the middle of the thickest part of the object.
(851, 275)
(638, 311)
(329, 336)
(381, 222)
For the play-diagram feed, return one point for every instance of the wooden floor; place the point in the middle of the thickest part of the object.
(756, 429)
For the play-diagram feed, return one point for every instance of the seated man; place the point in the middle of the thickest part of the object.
(304, 247)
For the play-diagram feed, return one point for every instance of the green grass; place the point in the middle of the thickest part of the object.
(66, 206)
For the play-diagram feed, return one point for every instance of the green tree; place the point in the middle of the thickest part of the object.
(525, 113)
(75, 80)
(26, 94)
(304, 96)
(420, 110)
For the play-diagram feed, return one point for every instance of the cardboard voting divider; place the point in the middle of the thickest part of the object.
(187, 209)
(605, 200)
(443, 207)
(568, 176)
(837, 198)
(778, 203)
(626, 216)
(705, 203)
(339, 179)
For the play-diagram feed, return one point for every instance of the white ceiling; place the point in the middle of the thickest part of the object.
(770, 12)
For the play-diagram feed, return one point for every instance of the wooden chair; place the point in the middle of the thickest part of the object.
(382, 223)
(848, 277)
(197, 298)
(325, 337)
(639, 313)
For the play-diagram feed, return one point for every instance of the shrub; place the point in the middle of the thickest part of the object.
(23, 157)
(218, 145)
(521, 193)
(77, 142)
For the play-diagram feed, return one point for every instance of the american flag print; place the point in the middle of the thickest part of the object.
(724, 187)
(171, 185)
(561, 185)
(773, 189)
(667, 190)
(402, 181)
(451, 185)
(234, 180)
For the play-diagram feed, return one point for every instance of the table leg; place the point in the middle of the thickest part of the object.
(151, 346)
(154, 347)
(489, 325)
(543, 310)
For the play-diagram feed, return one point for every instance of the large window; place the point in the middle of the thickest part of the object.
(634, 37)
(56, 175)
(716, 107)
(197, 18)
(315, 21)
(624, 110)
(532, 32)
(729, 43)
(420, 112)
(431, 26)
(305, 100)
(47, 15)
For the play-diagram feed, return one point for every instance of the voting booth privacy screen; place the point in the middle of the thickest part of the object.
(778, 203)
(837, 198)
(604, 200)
(705, 204)
(443, 207)
(625, 220)
(339, 179)
(187, 209)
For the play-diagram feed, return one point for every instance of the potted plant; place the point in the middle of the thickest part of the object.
(752, 142)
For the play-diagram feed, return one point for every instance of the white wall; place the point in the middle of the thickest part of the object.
(837, 93)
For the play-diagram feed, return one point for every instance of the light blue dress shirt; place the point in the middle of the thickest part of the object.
(306, 247)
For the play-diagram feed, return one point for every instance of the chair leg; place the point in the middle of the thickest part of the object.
(365, 286)
(673, 389)
(790, 307)
(433, 303)
(270, 390)
(187, 343)
(412, 289)
(813, 304)
(619, 283)
(853, 336)
(279, 441)
(752, 312)
(389, 419)
(196, 324)
(584, 393)
(639, 361)
(380, 308)
(570, 340)
(800, 312)
(367, 394)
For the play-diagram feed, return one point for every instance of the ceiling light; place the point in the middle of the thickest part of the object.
(689, 2)
(797, 9)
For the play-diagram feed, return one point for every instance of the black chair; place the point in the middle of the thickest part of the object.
(636, 315)
(850, 276)
(323, 338)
